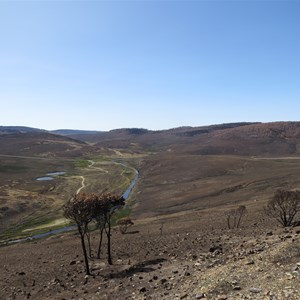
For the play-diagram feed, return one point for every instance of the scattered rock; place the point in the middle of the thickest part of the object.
(255, 290)
(215, 248)
(21, 273)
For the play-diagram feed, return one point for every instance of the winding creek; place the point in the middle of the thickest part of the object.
(125, 195)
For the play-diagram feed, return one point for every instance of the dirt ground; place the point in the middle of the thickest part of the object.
(183, 256)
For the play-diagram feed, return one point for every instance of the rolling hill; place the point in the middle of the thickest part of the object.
(247, 139)
(189, 177)
(40, 143)
(18, 129)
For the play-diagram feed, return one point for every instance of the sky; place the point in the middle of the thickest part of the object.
(102, 65)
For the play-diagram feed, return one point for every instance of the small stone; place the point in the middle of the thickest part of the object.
(222, 297)
(289, 276)
(216, 249)
(236, 288)
(73, 262)
(143, 290)
(200, 296)
(255, 290)
(295, 268)
(21, 273)
(250, 262)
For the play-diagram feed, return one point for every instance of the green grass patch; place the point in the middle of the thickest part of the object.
(12, 168)
(101, 158)
(121, 213)
(19, 230)
(81, 163)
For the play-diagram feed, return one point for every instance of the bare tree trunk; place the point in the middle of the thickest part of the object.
(87, 268)
(228, 222)
(234, 223)
(109, 260)
(161, 228)
(238, 223)
(100, 243)
(88, 237)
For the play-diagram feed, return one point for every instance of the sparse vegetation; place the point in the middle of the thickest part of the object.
(234, 216)
(80, 209)
(80, 163)
(284, 206)
(179, 203)
(12, 168)
(83, 209)
(105, 207)
(124, 223)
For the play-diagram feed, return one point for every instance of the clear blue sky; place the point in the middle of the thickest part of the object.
(152, 64)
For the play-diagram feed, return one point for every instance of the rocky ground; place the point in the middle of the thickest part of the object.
(181, 257)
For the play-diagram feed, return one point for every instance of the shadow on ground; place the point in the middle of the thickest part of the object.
(143, 267)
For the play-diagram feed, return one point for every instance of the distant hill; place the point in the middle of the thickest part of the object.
(18, 129)
(74, 132)
(178, 139)
(40, 143)
(126, 137)
(266, 139)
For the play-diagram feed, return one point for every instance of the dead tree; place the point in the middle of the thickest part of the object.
(100, 220)
(80, 209)
(124, 223)
(106, 205)
(240, 212)
(230, 214)
(284, 206)
(161, 228)
(234, 216)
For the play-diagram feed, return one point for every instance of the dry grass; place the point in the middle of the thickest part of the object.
(172, 183)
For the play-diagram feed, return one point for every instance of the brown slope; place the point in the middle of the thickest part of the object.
(267, 139)
(219, 168)
(175, 183)
(40, 143)
(157, 140)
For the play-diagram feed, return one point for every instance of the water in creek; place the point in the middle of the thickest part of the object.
(68, 228)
